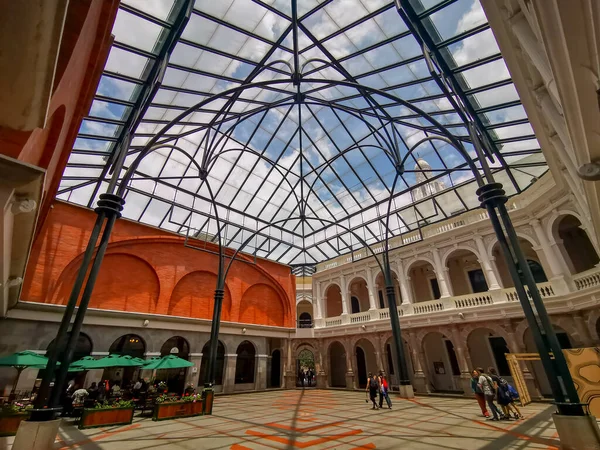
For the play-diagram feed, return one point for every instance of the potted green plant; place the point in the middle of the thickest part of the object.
(11, 416)
(173, 407)
(103, 414)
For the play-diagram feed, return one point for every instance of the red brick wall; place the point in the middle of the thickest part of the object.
(150, 270)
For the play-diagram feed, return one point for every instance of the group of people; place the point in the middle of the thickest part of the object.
(377, 384)
(489, 387)
(306, 377)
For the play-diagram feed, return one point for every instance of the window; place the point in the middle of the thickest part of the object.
(244, 366)
(381, 301)
(305, 321)
(355, 305)
(499, 349)
(563, 340)
(435, 288)
(477, 279)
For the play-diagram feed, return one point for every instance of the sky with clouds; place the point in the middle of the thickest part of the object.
(269, 157)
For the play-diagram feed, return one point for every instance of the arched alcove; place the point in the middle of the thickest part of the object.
(175, 378)
(337, 365)
(245, 364)
(275, 378)
(574, 244)
(194, 296)
(390, 368)
(261, 304)
(465, 273)
(359, 295)
(366, 362)
(533, 259)
(487, 349)
(114, 289)
(381, 300)
(83, 347)
(333, 304)
(304, 313)
(305, 365)
(219, 366)
(129, 344)
(423, 282)
(442, 364)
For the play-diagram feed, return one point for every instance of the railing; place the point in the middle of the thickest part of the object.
(428, 231)
(333, 321)
(428, 307)
(587, 279)
(470, 300)
(360, 317)
(545, 289)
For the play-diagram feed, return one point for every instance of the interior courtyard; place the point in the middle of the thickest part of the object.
(245, 224)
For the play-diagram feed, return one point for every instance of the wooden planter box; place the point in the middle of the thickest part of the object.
(93, 417)
(9, 422)
(175, 410)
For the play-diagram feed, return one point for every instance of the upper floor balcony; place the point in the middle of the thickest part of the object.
(459, 274)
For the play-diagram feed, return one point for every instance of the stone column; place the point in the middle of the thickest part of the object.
(379, 353)
(583, 330)
(460, 348)
(344, 293)
(317, 301)
(349, 365)
(321, 372)
(229, 380)
(192, 375)
(290, 370)
(403, 281)
(549, 253)
(260, 383)
(420, 380)
(440, 272)
(490, 276)
(370, 286)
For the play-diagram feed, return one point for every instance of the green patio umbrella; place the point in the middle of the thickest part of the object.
(84, 363)
(23, 360)
(107, 362)
(168, 362)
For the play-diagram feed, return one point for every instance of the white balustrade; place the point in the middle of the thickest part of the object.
(587, 279)
(333, 321)
(428, 307)
(360, 317)
(471, 300)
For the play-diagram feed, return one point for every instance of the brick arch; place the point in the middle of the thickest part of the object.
(261, 304)
(125, 283)
(193, 296)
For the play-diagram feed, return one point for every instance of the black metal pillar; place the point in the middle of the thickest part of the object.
(398, 356)
(214, 339)
(109, 209)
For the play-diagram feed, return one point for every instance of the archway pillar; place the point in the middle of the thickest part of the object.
(556, 262)
(350, 358)
(460, 345)
(229, 378)
(344, 294)
(441, 274)
(403, 281)
(322, 369)
(486, 264)
(192, 375)
(371, 289)
(420, 377)
(260, 382)
(289, 369)
(318, 302)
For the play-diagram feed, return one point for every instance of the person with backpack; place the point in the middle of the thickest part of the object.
(383, 391)
(478, 393)
(486, 384)
(372, 388)
(505, 395)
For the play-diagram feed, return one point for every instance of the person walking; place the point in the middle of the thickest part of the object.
(505, 398)
(486, 384)
(383, 391)
(372, 389)
(479, 396)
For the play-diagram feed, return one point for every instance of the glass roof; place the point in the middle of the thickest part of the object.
(300, 113)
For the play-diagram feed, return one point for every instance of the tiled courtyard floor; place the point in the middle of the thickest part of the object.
(315, 419)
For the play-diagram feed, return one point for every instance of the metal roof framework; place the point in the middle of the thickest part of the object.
(300, 115)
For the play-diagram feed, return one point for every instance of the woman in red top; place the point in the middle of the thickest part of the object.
(383, 391)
